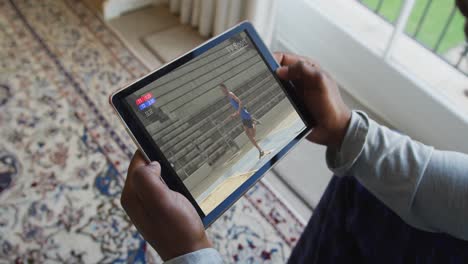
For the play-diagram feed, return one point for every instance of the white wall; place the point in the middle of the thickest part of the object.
(403, 101)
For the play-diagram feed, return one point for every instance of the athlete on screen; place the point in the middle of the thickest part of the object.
(248, 121)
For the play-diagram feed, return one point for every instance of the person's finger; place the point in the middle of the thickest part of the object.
(138, 160)
(298, 71)
(282, 72)
(285, 59)
(278, 56)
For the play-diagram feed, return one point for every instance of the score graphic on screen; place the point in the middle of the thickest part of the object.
(147, 104)
(145, 101)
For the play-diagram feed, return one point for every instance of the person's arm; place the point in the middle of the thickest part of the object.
(427, 188)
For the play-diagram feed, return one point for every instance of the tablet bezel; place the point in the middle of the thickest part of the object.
(152, 152)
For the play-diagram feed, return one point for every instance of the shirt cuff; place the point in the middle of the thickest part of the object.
(341, 160)
(206, 255)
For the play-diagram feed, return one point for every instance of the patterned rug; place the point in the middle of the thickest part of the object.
(64, 154)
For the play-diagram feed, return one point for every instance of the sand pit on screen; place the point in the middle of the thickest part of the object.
(224, 190)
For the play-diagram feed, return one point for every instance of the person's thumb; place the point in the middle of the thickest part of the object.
(148, 184)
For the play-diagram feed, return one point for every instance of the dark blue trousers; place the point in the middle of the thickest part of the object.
(350, 225)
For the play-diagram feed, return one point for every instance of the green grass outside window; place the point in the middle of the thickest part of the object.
(433, 25)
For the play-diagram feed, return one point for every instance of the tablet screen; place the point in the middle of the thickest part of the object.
(218, 118)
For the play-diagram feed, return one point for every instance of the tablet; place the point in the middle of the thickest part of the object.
(216, 119)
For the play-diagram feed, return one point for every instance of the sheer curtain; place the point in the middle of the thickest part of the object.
(212, 17)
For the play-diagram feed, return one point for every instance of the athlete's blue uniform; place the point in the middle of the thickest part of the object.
(244, 114)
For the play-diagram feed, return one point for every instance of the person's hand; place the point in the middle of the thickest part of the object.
(166, 219)
(236, 114)
(321, 98)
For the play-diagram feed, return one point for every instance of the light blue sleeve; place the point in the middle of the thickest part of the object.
(205, 256)
(427, 188)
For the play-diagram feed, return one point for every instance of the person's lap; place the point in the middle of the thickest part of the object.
(350, 225)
